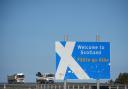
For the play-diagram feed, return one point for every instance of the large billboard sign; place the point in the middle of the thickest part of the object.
(82, 60)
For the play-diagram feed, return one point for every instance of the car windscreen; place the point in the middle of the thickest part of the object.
(20, 76)
(50, 75)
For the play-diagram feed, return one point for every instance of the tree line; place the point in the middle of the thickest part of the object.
(121, 79)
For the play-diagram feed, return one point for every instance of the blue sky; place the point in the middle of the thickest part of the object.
(29, 29)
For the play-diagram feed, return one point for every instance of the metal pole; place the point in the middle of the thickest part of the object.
(68, 87)
(125, 86)
(51, 86)
(89, 86)
(48, 86)
(73, 86)
(55, 86)
(37, 86)
(59, 86)
(64, 84)
(98, 80)
(97, 37)
(4, 86)
(78, 86)
(117, 87)
(109, 86)
(65, 39)
(43, 87)
(83, 87)
(98, 84)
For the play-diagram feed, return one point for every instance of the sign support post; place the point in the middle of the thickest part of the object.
(98, 84)
(98, 80)
(65, 80)
(65, 84)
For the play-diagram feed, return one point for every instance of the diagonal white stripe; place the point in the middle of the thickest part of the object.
(68, 61)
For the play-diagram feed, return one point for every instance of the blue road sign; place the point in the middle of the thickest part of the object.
(82, 60)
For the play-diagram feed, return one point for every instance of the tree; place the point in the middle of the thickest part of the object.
(122, 78)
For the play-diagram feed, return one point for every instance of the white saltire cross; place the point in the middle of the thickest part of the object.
(68, 61)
